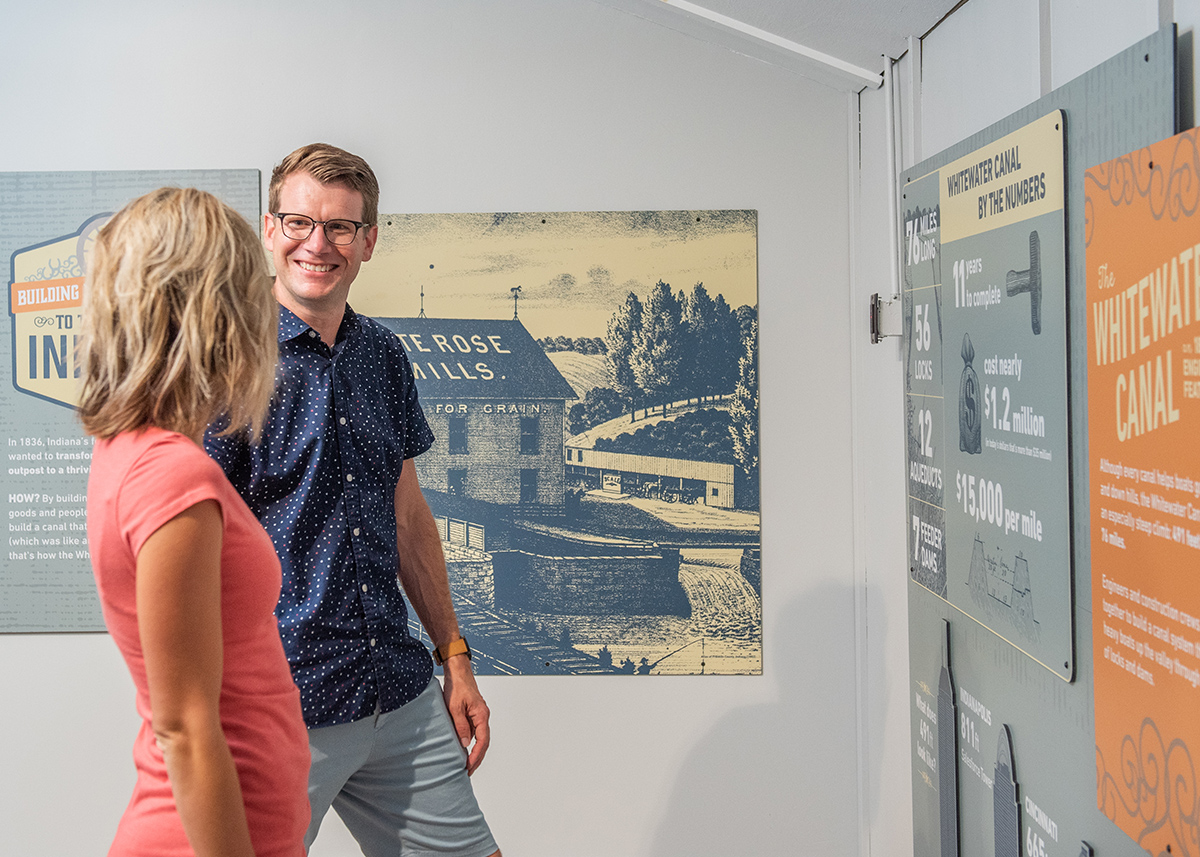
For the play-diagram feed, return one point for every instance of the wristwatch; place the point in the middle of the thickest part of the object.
(455, 647)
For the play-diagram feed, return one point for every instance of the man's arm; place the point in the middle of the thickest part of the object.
(423, 576)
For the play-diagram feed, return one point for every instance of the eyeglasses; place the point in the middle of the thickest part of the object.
(299, 226)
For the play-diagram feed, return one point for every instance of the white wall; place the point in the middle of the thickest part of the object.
(879, 455)
(532, 105)
(984, 61)
(981, 64)
(1084, 34)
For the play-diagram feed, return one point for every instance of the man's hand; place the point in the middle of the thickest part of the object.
(467, 709)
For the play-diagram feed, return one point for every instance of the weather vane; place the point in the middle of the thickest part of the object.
(422, 313)
(516, 291)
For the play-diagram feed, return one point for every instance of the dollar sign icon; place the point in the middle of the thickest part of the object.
(970, 436)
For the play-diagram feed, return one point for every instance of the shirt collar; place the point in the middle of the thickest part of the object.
(292, 326)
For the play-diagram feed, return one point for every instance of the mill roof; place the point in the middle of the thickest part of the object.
(477, 358)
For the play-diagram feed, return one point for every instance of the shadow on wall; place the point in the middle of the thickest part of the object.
(781, 778)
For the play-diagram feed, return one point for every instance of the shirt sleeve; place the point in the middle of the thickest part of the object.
(232, 455)
(418, 437)
(167, 479)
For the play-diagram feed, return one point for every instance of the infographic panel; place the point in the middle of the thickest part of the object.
(47, 224)
(924, 384)
(984, 255)
(1143, 310)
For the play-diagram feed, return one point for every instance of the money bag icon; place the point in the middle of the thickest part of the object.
(970, 437)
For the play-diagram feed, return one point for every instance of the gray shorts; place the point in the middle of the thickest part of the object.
(399, 782)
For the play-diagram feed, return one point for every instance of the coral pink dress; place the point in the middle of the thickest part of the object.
(138, 482)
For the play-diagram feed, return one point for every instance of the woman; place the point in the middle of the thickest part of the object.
(180, 326)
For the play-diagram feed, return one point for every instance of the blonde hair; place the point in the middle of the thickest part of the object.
(328, 165)
(179, 321)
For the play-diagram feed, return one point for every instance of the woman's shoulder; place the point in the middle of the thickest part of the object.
(149, 476)
(156, 454)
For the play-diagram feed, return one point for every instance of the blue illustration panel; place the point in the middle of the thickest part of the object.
(591, 379)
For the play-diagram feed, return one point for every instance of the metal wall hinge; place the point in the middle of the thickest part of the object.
(885, 318)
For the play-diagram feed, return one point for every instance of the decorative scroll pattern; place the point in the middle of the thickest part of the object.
(57, 269)
(1154, 786)
(1171, 189)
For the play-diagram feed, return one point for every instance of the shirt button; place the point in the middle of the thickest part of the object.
(349, 477)
(372, 641)
(364, 587)
(357, 531)
(342, 420)
(313, 334)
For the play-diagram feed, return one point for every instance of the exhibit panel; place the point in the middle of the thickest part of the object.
(1142, 334)
(995, 228)
(48, 221)
(1003, 746)
(590, 378)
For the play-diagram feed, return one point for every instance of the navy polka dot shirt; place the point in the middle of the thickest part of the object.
(322, 482)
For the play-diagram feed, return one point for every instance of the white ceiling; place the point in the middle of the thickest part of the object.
(857, 34)
(857, 31)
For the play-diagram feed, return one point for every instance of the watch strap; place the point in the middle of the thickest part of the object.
(455, 647)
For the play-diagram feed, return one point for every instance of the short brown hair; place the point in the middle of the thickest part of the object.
(179, 321)
(329, 165)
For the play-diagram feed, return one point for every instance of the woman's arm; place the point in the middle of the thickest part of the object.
(179, 620)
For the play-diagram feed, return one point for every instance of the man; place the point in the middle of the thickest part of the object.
(334, 484)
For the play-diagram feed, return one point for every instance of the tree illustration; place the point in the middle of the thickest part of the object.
(704, 346)
(623, 325)
(658, 353)
(735, 330)
(745, 316)
(744, 412)
(599, 405)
